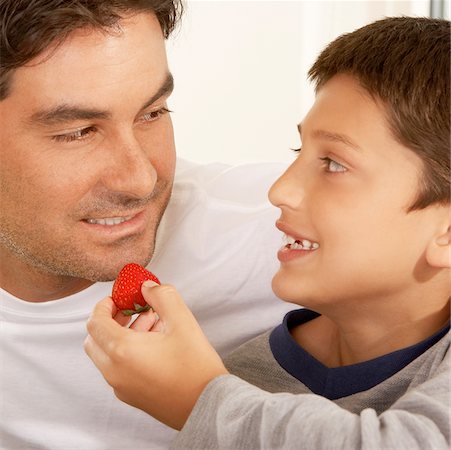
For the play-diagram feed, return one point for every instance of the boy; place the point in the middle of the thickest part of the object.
(365, 211)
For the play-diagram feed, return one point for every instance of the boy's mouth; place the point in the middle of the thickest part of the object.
(299, 244)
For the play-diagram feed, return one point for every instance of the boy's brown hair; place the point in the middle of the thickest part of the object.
(405, 62)
(28, 27)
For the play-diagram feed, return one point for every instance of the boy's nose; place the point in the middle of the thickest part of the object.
(130, 170)
(288, 190)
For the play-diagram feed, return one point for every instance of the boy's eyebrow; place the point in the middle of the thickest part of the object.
(67, 113)
(333, 137)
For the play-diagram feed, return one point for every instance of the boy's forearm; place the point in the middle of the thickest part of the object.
(234, 414)
(174, 404)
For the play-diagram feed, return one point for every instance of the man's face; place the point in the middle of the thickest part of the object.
(348, 193)
(87, 154)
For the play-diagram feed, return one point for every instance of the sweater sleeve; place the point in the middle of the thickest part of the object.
(233, 414)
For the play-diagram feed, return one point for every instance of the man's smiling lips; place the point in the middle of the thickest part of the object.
(109, 220)
(117, 225)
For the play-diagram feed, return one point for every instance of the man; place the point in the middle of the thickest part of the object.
(87, 167)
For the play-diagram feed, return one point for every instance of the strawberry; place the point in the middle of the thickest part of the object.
(127, 289)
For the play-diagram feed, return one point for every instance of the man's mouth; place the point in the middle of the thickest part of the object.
(299, 244)
(109, 221)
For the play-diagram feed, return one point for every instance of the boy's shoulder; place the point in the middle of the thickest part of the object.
(427, 375)
(254, 362)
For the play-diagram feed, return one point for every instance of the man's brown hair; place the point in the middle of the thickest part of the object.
(28, 27)
(405, 62)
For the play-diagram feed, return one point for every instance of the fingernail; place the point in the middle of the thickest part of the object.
(443, 240)
(149, 284)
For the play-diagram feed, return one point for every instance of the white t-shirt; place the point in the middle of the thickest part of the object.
(216, 243)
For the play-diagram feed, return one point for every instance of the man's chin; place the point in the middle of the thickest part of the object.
(110, 274)
(107, 267)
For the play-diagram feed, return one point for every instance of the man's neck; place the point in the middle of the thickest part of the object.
(31, 284)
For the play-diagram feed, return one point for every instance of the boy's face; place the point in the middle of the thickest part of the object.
(87, 154)
(348, 192)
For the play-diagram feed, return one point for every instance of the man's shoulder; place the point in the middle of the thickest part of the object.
(217, 244)
(242, 183)
(218, 211)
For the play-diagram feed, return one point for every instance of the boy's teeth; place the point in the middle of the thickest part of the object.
(288, 240)
(306, 244)
(108, 220)
(295, 244)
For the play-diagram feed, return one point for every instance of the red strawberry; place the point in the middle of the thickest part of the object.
(127, 289)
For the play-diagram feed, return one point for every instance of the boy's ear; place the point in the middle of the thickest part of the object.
(438, 253)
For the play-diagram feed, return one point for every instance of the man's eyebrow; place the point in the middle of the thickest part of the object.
(166, 89)
(333, 137)
(68, 113)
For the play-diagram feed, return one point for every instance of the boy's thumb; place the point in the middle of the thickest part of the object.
(164, 299)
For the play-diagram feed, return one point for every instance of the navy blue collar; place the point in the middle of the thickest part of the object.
(338, 382)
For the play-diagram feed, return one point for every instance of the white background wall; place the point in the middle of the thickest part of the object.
(240, 71)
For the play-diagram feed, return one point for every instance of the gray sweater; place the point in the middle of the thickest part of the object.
(273, 410)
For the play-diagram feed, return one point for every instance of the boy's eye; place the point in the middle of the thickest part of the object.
(154, 115)
(332, 166)
(77, 135)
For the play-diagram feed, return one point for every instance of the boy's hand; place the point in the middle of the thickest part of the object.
(162, 371)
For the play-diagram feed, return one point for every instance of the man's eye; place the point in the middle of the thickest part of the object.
(77, 135)
(154, 115)
(332, 166)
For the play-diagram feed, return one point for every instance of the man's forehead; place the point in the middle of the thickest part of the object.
(87, 35)
(141, 30)
(66, 112)
(94, 68)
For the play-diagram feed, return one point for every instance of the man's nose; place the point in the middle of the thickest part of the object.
(129, 170)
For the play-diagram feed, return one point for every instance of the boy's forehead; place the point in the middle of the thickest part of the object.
(345, 100)
(346, 114)
(331, 136)
(347, 81)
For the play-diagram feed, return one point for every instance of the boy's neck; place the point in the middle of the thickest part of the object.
(354, 338)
